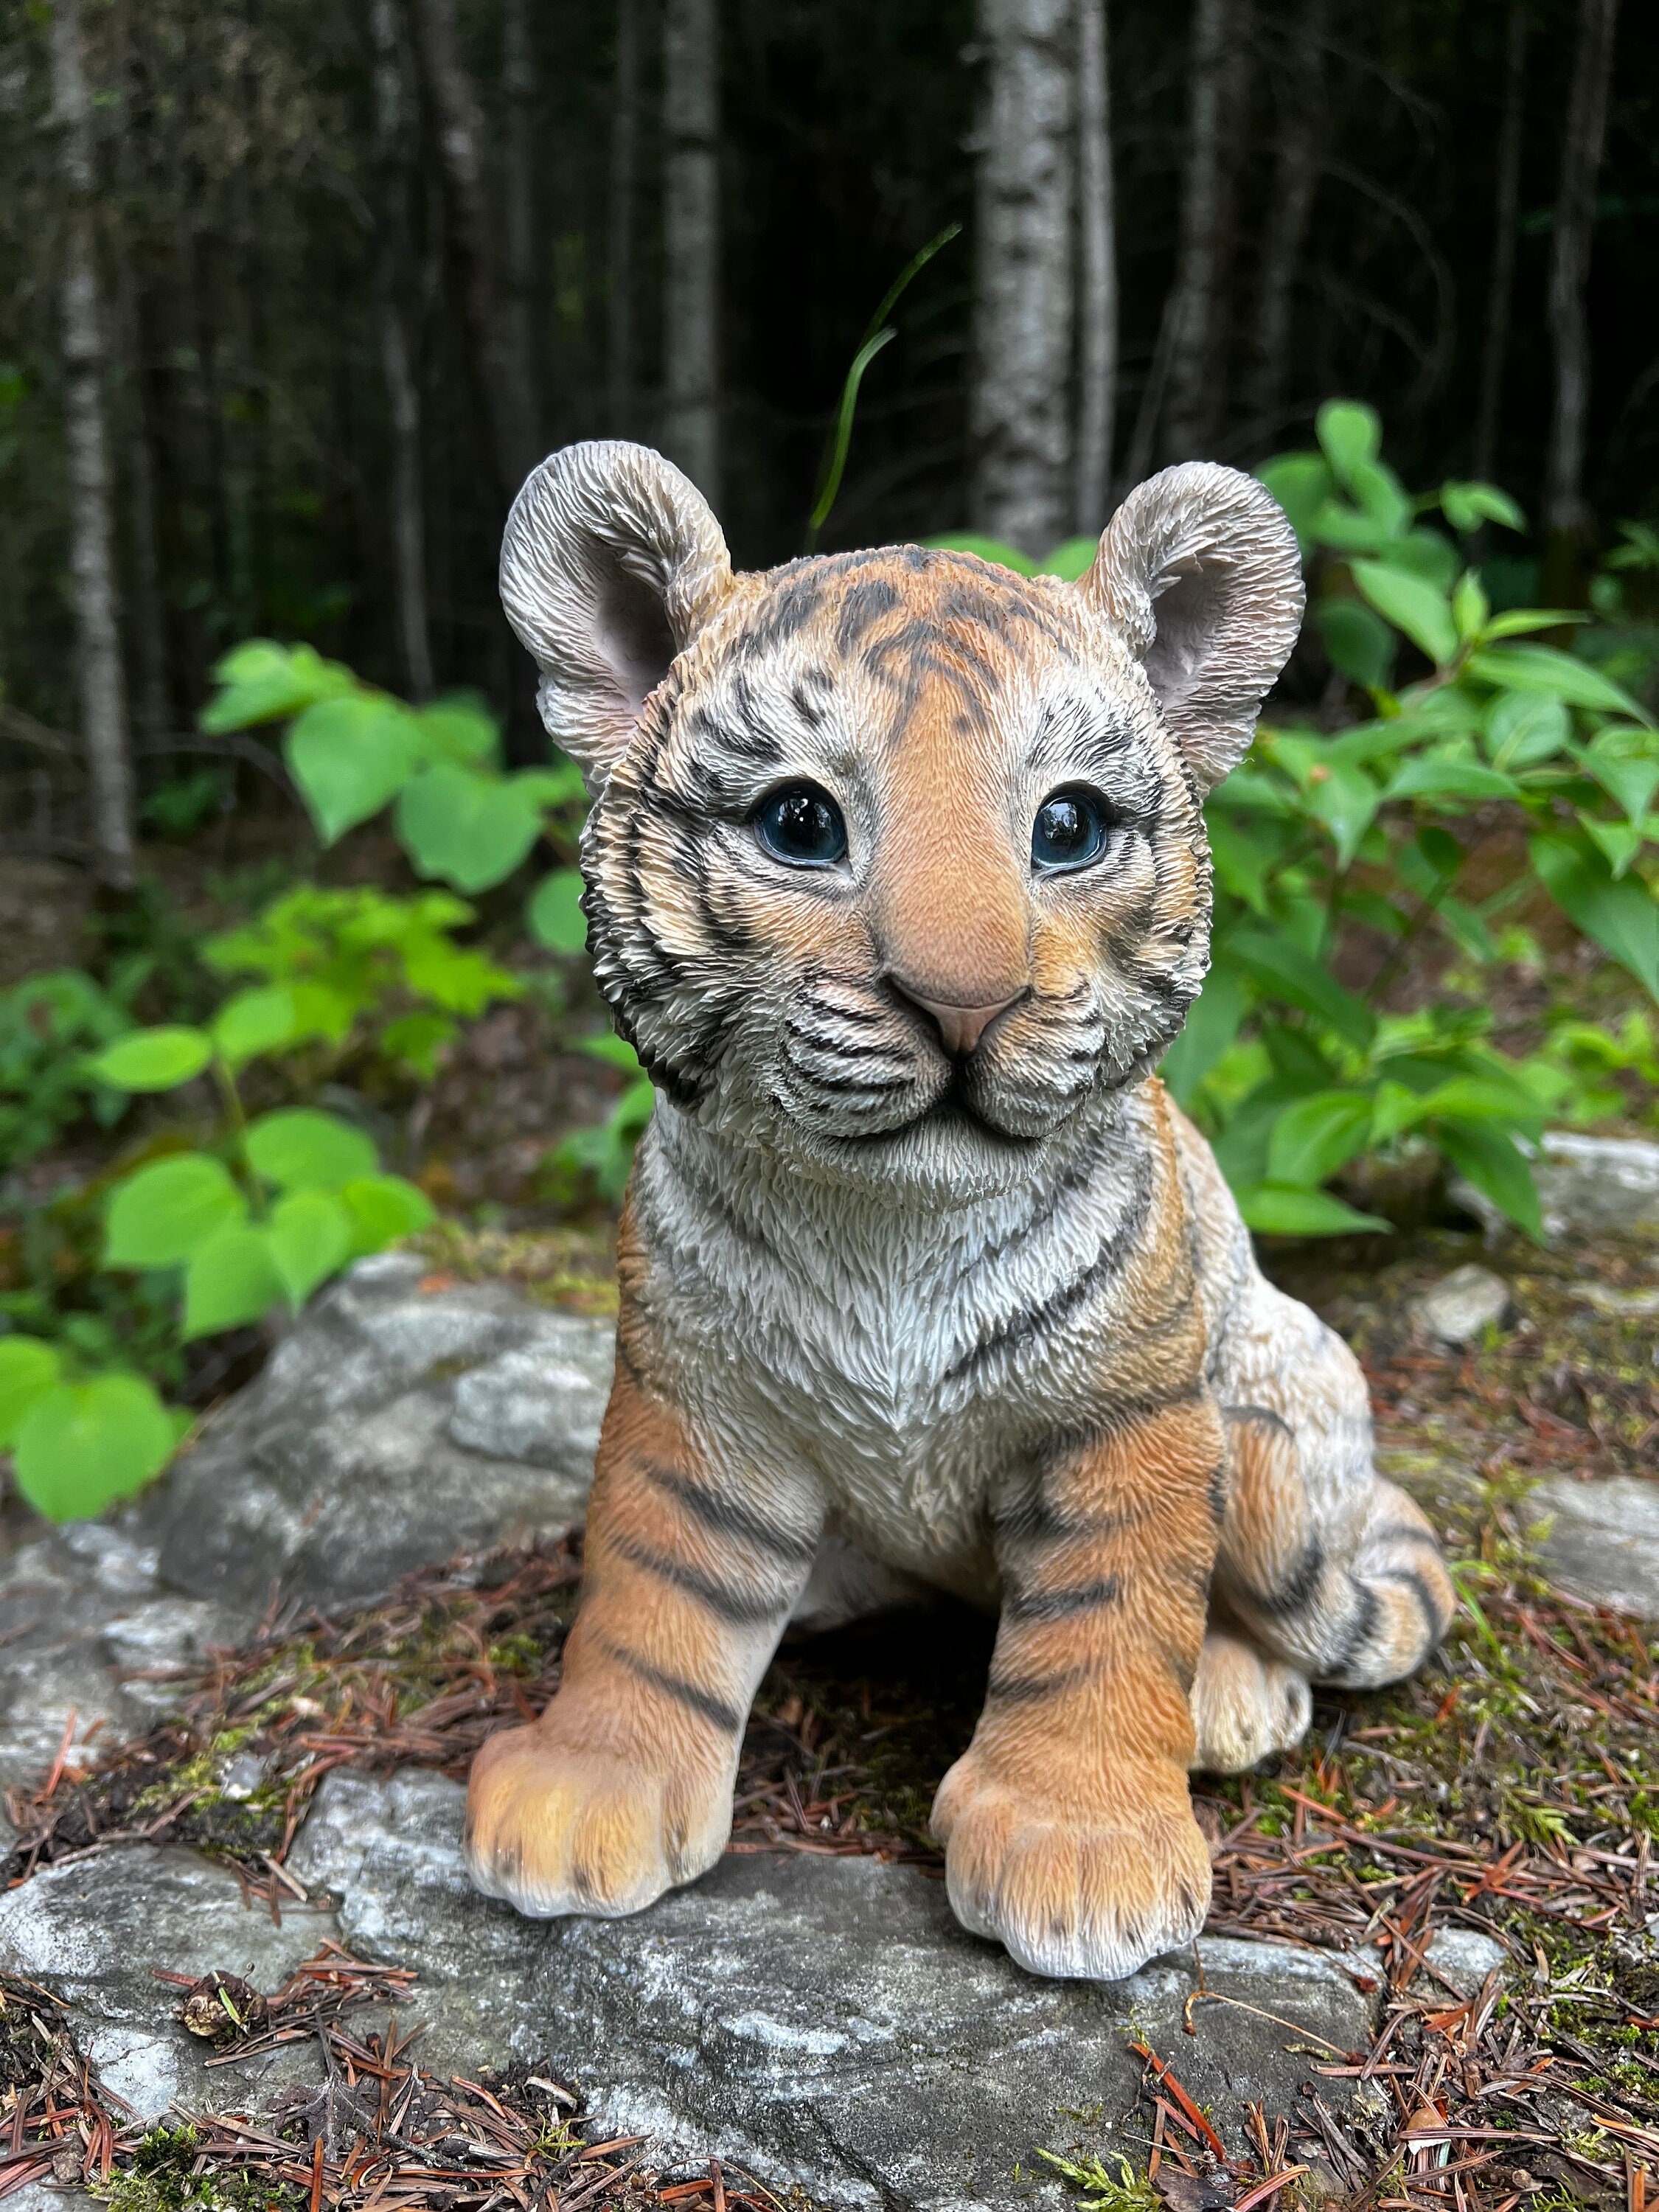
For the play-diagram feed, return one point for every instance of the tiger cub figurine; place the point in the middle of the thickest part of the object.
(897, 883)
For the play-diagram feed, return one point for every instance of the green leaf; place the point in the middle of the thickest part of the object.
(349, 756)
(470, 830)
(1559, 675)
(1275, 1210)
(29, 1369)
(1302, 484)
(158, 1217)
(458, 728)
(1516, 622)
(1619, 841)
(1345, 799)
(994, 549)
(1627, 772)
(1491, 1161)
(309, 1237)
(1619, 915)
(84, 1444)
(416, 1040)
(1439, 775)
(1284, 970)
(1470, 606)
(606, 1045)
(1359, 643)
(554, 914)
(1209, 1030)
(1411, 605)
(1523, 728)
(1466, 506)
(1351, 435)
(260, 682)
(1070, 560)
(153, 1059)
(233, 1278)
(260, 1020)
(300, 1147)
(1313, 1137)
(383, 1208)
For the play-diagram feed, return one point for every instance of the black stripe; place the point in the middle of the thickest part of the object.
(702, 1702)
(1362, 1629)
(1402, 1532)
(1216, 1491)
(1030, 1689)
(1059, 1604)
(739, 1608)
(1435, 1621)
(1262, 1415)
(1298, 1590)
(730, 1517)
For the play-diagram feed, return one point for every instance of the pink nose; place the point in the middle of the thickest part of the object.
(960, 1028)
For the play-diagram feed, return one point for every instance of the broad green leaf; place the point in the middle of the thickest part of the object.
(1313, 1137)
(1427, 554)
(1619, 841)
(1413, 606)
(1345, 800)
(606, 1045)
(552, 787)
(261, 1020)
(1627, 772)
(383, 1208)
(554, 912)
(1359, 643)
(153, 1059)
(416, 1040)
(1484, 1099)
(1351, 435)
(158, 1217)
(233, 1278)
(1466, 506)
(1210, 1029)
(1284, 970)
(320, 1011)
(995, 550)
(1516, 622)
(29, 1369)
(1069, 561)
(1242, 860)
(1470, 606)
(471, 829)
(1433, 776)
(1620, 914)
(1302, 484)
(634, 1108)
(84, 1444)
(1490, 1159)
(349, 757)
(1276, 1210)
(1523, 728)
(1542, 668)
(260, 682)
(458, 728)
(299, 1147)
(309, 1236)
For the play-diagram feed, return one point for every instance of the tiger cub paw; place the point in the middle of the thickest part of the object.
(1088, 1895)
(555, 1829)
(1246, 1707)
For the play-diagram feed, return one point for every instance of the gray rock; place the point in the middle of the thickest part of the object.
(824, 2019)
(1465, 1957)
(1602, 1541)
(1461, 1306)
(392, 1428)
(1587, 1187)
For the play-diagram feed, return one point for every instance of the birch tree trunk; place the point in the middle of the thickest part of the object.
(1189, 412)
(691, 226)
(623, 185)
(1506, 216)
(1096, 412)
(393, 270)
(1295, 177)
(509, 411)
(98, 672)
(1566, 518)
(518, 87)
(1019, 410)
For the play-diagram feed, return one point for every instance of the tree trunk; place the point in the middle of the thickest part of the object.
(1190, 412)
(148, 633)
(1097, 413)
(394, 265)
(1566, 518)
(92, 536)
(691, 241)
(624, 168)
(1022, 321)
(1506, 216)
(509, 413)
(518, 87)
(1296, 175)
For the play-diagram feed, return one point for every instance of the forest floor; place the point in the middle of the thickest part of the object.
(1510, 1789)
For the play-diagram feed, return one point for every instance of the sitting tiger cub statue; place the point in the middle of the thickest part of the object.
(897, 881)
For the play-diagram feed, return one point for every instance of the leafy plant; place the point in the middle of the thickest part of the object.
(1294, 1074)
(48, 1026)
(605, 1152)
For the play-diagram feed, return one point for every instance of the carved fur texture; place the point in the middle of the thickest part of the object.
(925, 1282)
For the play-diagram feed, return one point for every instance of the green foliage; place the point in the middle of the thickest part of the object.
(48, 1026)
(606, 1152)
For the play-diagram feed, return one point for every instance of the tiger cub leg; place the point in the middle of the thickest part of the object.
(622, 1788)
(1246, 1706)
(1068, 1831)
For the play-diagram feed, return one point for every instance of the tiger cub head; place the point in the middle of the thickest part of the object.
(895, 865)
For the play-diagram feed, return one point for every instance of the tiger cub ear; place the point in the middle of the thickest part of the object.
(1199, 572)
(612, 563)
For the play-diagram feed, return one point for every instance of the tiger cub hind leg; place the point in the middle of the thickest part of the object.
(1246, 1706)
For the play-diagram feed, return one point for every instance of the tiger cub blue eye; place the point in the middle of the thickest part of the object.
(803, 825)
(1070, 829)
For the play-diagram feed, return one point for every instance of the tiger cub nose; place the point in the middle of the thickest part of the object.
(960, 1028)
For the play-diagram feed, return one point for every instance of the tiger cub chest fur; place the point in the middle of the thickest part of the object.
(917, 1360)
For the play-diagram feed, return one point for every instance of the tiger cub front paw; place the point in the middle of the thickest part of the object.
(555, 1828)
(1087, 1894)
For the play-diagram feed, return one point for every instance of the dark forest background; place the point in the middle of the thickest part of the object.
(285, 195)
